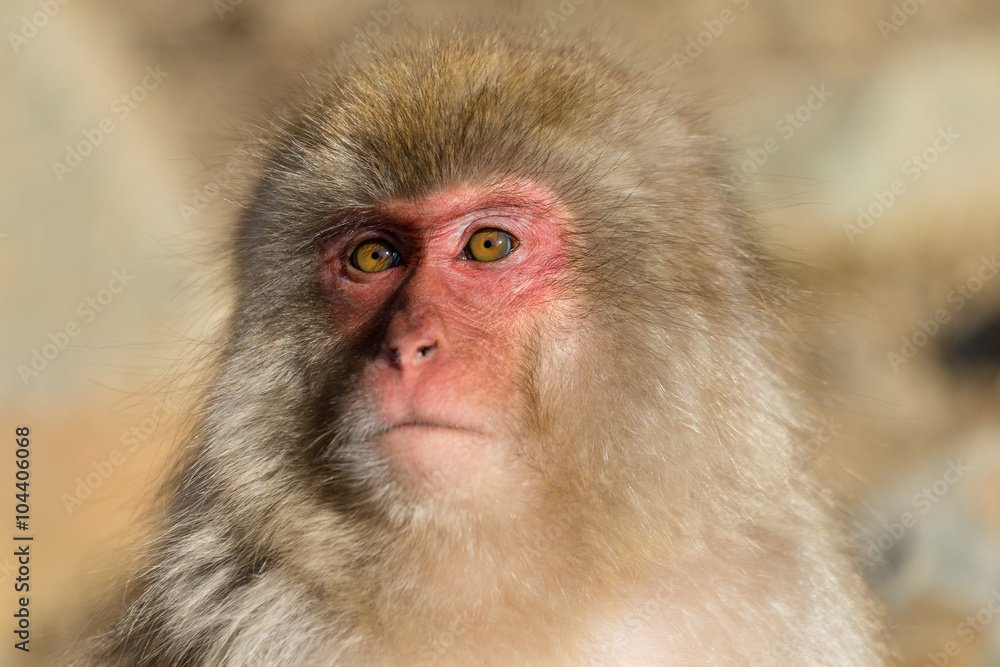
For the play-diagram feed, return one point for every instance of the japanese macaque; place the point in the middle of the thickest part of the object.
(503, 384)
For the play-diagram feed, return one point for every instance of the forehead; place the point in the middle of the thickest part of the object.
(456, 201)
(423, 116)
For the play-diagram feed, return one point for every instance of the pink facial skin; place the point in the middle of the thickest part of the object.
(445, 380)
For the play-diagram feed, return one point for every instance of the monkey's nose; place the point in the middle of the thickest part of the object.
(414, 338)
(411, 353)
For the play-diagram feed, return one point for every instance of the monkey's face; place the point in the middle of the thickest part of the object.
(492, 284)
(441, 298)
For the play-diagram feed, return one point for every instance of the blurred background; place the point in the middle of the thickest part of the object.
(866, 136)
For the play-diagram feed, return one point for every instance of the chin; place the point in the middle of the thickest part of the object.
(434, 462)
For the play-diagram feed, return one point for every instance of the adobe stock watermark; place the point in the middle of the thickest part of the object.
(132, 439)
(956, 299)
(443, 643)
(786, 127)
(900, 16)
(363, 35)
(223, 7)
(532, 549)
(923, 502)
(713, 29)
(59, 340)
(32, 25)
(915, 167)
(121, 108)
(827, 430)
(204, 194)
(777, 652)
(558, 16)
(639, 617)
(966, 631)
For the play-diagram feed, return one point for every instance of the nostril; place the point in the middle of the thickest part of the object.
(408, 355)
(413, 339)
(392, 353)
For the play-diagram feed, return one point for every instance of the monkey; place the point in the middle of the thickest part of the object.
(505, 382)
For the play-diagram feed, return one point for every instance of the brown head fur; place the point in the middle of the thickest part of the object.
(655, 408)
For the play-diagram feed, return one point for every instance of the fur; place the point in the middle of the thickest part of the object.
(668, 519)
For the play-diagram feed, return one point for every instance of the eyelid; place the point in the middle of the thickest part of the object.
(495, 219)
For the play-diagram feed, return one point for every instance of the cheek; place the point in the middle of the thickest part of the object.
(353, 309)
(503, 311)
(485, 355)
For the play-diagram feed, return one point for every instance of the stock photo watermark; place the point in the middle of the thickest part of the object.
(786, 127)
(827, 429)
(33, 24)
(121, 108)
(957, 298)
(535, 548)
(131, 440)
(900, 16)
(443, 643)
(59, 340)
(556, 17)
(914, 167)
(636, 620)
(923, 501)
(967, 631)
(204, 194)
(223, 7)
(713, 29)
(364, 34)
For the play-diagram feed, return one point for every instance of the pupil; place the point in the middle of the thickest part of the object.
(375, 254)
(487, 244)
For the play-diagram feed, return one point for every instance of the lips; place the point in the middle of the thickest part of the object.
(412, 410)
(422, 449)
(430, 425)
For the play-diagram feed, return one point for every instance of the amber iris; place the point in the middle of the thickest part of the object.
(374, 255)
(489, 245)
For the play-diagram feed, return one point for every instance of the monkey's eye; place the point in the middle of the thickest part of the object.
(489, 245)
(375, 255)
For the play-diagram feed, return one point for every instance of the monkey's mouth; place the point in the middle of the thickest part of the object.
(430, 425)
(421, 449)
